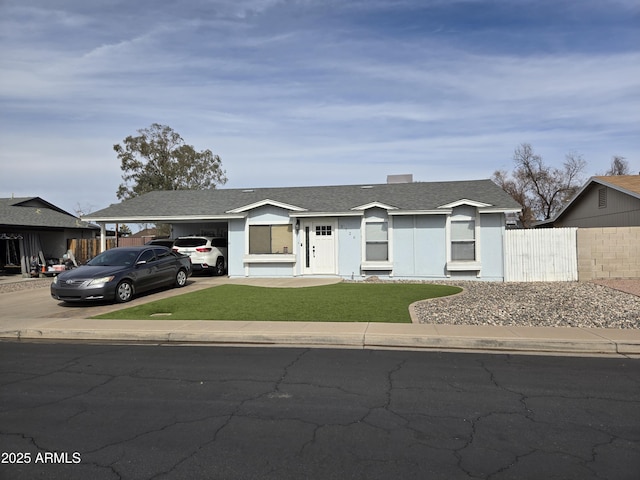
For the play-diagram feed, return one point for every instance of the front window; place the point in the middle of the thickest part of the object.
(268, 239)
(377, 241)
(463, 240)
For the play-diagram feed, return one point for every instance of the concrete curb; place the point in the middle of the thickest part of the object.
(341, 335)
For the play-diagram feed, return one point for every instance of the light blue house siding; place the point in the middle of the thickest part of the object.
(236, 247)
(271, 265)
(349, 247)
(491, 246)
(419, 246)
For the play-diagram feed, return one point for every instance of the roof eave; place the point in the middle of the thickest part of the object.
(163, 219)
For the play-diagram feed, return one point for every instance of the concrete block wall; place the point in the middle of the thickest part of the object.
(611, 252)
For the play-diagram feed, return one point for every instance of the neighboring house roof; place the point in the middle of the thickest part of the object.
(627, 184)
(230, 203)
(34, 212)
(145, 232)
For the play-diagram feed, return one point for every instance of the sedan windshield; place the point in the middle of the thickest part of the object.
(120, 258)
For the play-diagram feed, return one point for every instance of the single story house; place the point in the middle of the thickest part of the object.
(412, 230)
(608, 201)
(32, 229)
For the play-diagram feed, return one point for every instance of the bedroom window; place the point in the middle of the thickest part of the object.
(377, 241)
(270, 239)
(463, 240)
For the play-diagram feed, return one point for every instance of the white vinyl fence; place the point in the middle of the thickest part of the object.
(541, 255)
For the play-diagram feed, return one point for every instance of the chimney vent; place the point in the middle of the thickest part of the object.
(405, 178)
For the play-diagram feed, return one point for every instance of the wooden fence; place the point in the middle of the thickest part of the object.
(86, 248)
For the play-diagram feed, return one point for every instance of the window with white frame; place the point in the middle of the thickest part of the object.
(463, 240)
(377, 240)
(270, 239)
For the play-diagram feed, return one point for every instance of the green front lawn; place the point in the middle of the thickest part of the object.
(341, 302)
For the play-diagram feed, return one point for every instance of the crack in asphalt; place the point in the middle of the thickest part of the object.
(230, 417)
(383, 412)
(529, 415)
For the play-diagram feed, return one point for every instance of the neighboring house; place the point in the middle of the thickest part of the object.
(610, 201)
(31, 227)
(431, 230)
(146, 233)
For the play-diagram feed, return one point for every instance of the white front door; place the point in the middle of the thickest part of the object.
(319, 247)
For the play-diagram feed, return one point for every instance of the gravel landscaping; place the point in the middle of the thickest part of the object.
(549, 304)
(24, 284)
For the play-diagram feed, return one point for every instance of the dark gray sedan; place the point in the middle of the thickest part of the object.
(120, 273)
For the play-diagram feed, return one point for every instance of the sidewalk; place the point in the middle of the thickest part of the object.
(544, 340)
(333, 334)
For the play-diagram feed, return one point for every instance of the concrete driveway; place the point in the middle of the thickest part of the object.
(24, 304)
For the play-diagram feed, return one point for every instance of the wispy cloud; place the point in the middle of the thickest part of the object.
(313, 92)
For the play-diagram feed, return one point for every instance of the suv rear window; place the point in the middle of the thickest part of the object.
(190, 242)
(219, 242)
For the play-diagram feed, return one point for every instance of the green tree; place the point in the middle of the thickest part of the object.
(540, 190)
(124, 230)
(158, 159)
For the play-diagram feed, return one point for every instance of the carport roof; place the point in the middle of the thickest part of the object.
(230, 203)
(34, 212)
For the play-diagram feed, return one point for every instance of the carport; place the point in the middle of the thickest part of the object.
(179, 227)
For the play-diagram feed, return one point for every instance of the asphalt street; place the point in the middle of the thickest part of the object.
(78, 411)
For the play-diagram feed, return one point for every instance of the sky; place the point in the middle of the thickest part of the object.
(311, 92)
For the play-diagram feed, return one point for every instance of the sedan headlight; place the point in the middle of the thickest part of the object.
(100, 281)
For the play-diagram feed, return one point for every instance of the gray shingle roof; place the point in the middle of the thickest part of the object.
(339, 198)
(34, 212)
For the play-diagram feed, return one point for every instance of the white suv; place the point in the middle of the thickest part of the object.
(207, 254)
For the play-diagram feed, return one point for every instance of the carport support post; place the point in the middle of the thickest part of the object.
(103, 237)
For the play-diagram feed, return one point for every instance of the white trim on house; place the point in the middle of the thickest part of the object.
(465, 201)
(376, 265)
(498, 210)
(164, 219)
(367, 206)
(307, 214)
(442, 211)
(266, 258)
(460, 265)
(264, 202)
(269, 258)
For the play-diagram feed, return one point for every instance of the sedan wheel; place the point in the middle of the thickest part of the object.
(181, 278)
(124, 292)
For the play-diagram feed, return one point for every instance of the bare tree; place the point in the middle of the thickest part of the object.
(517, 190)
(619, 166)
(541, 190)
(81, 210)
